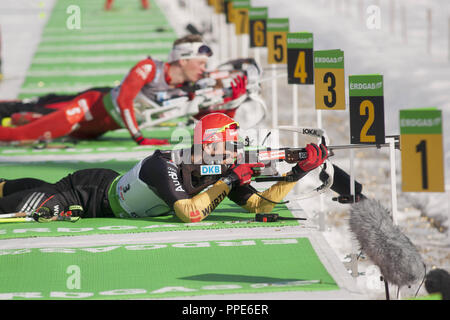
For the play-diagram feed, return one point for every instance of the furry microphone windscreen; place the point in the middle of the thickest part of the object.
(398, 259)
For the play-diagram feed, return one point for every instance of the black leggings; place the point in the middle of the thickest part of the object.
(16, 185)
(87, 188)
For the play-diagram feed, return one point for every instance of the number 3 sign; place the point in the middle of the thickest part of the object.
(366, 109)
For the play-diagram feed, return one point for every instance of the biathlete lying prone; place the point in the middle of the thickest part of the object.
(157, 184)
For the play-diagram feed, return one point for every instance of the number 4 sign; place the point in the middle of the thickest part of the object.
(422, 151)
(300, 58)
(366, 109)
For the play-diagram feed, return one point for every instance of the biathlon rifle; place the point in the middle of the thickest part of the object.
(268, 157)
(331, 175)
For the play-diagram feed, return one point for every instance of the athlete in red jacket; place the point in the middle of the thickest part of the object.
(94, 113)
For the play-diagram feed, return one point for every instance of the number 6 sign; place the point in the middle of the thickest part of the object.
(258, 17)
(366, 109)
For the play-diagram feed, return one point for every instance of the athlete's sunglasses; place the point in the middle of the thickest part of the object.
(231, 126)
(204, 49)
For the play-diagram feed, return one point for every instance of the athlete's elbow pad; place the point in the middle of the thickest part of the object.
(200, 206)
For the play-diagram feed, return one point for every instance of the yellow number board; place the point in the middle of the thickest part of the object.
(422, 150)
(329, 80)
(277, 29)
(240, 12)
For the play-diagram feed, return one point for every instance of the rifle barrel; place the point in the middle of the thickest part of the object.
(359, 146)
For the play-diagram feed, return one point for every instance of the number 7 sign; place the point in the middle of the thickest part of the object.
(240, 8)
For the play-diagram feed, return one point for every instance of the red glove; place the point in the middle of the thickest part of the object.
(241, 174)
(316, 156)
(238, 87)
(147, 142)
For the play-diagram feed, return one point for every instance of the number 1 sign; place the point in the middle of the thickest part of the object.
(422, 152)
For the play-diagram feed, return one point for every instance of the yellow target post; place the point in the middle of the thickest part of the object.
(277, 30)
(422, 150)
(228, 10)
(240, 8)
(1, 75)
(329, 80)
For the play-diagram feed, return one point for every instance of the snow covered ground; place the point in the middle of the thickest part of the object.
(21, 24)
(413, 78)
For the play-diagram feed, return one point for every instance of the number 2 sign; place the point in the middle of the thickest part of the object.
(366, 109)
(422, 150)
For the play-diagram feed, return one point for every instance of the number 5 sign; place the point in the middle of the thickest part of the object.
(277, 29)
(366, 109)
(421, 150)
(329, 79)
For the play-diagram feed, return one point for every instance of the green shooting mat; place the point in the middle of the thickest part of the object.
(84, 46)
(162, 270)
(113, 142)
(226, 215)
